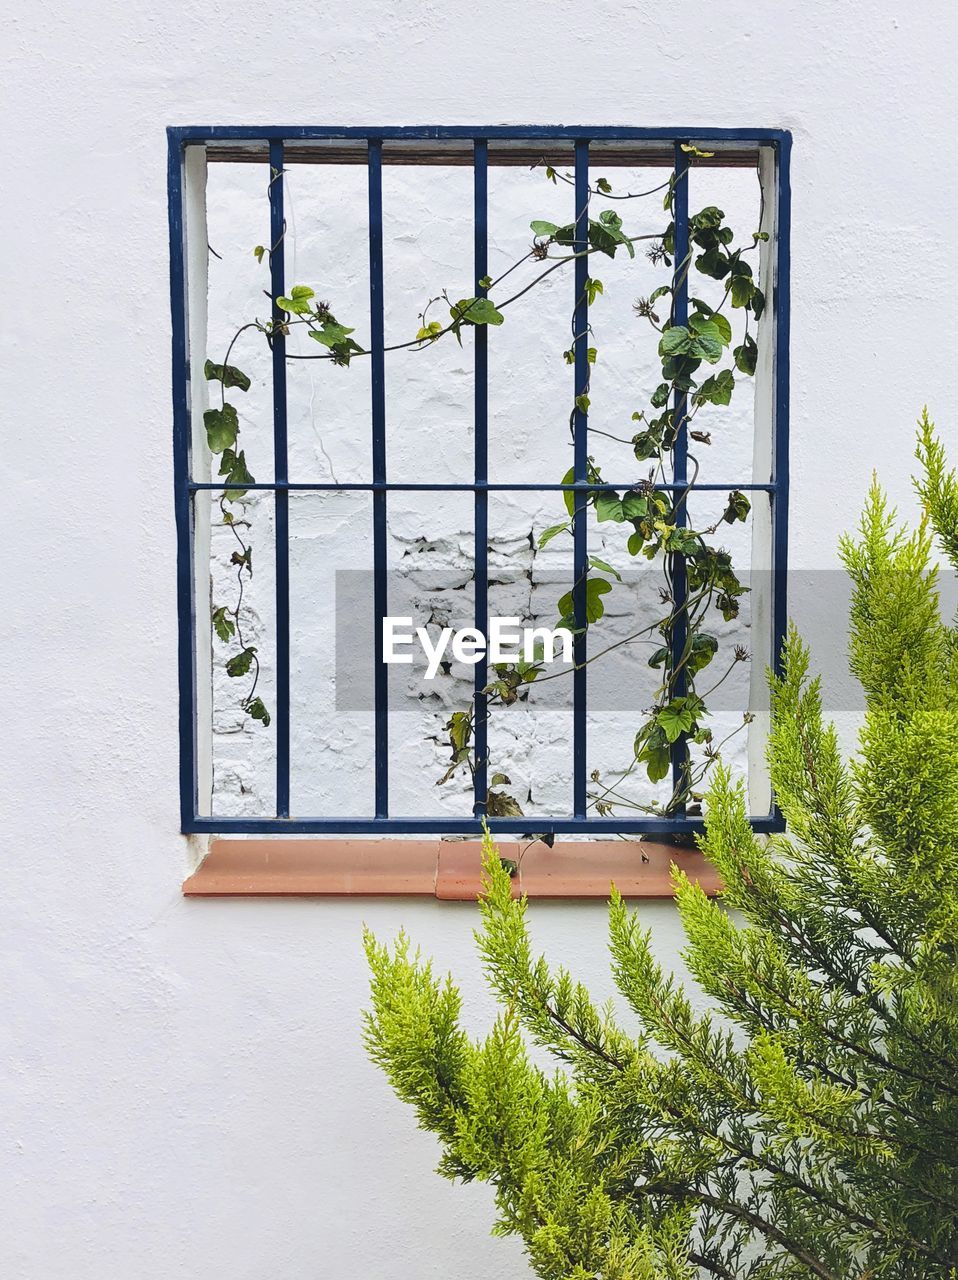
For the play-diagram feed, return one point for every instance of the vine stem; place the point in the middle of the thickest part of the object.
(422, 343)
(231, 525)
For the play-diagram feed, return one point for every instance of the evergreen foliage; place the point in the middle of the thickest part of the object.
(809, 1126)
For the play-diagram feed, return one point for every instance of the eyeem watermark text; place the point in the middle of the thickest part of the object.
(507, 641)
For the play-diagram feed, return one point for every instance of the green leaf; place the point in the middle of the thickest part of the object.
(635, 506)
(601, 239)
(222, 428)
(674, 340)
(298, 300)
(552, 532)
(703, 649)
(342, 352)
(241, 662)
(709, 326)
(660, 396)
(501, 805)
(758, 303)
(544, 228)
(727, 605)
(724, 326)
(223, 625)
(742, 290)
(706, 347)
(460, 729)
(706, 228)
(258, 252)
(476, 311)
(746, 356)
(592, 289)
(485, 282)
(679, 370)
(716, 389)
(675, 719)
(657, 763)
(595, 588)
(684, 541)
(237, 473)
(228, 374)
(604, 567)
(331, 334)
(582, 403)
(568, 495)
(714, 263)
(660, 657)
(608, 506)
(257, 710)
(604, 186)
(635, 543)
(647, 444)
(606, 234)
(738, 507)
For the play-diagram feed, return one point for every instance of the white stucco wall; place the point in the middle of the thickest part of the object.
(182, 1089)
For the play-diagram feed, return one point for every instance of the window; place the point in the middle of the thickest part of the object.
(477, 156)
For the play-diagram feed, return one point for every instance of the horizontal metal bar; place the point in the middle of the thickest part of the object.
(596, 133)
(526, 154)
(766, 824)
(198, 486)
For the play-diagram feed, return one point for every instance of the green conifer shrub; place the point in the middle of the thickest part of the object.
(807, 1128)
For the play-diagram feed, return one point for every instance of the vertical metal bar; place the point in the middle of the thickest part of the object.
(378, 375)
(580, 526)
(680, 469)
(782, 304)
(277, 268)
(481, 497)
(183, 510)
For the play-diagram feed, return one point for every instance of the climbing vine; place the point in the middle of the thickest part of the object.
(698, 366)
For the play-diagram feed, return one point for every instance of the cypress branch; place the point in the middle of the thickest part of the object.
(807, 1125)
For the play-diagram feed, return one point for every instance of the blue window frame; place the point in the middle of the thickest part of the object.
(468, 145)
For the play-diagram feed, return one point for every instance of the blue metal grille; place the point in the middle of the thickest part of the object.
(467, 145)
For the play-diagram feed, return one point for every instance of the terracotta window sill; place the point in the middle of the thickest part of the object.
(446, 869)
